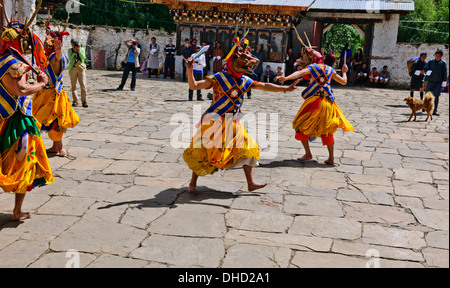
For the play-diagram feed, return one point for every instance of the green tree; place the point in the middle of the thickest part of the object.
(425, 30)
(341, 34)
(120, 14)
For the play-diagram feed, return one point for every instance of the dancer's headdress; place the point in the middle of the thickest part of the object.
(308, 54)
(54, 34)
(18, 38)
(238, 62)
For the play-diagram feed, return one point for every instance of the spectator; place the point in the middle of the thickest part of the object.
(131, 63)
(290, 61)
(385, 76)
(268, 75)
(374, 76)
(436, 71)
(252, 76)
(170, 51)
(199, 65)
(363, 76)
(279, 73)
(153, 59)
(259, 53)
(218, 55)
(330, 59)
(208, 56)
(77, 72)
(346, 52)
(417, 75)
(358, 60)
(322, 52)
(186, 52)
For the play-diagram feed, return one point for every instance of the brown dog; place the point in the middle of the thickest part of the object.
(417, 105)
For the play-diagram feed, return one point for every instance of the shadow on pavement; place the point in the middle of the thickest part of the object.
(171, 197)
(296, 164)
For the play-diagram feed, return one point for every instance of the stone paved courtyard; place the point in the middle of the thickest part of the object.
(121, 198)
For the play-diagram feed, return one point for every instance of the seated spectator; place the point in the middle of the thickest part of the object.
(279, 73)
(385, 76)
(268, 75)
(374, 76)
(363, 76)
(330, 59)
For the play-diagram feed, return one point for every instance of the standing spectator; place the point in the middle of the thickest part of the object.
(436, 71)
(363, 75)
(259, 53)
(208, 56)
(218, 55)
(131, 63)
(346, 52)
(417, 75)
(186, 52)
(170, 51)
(385, 76)
(199, 65)
(322, 52)
(290, 61)
(77, 72)
(374, 76)
(268, 75)
(330, 59)
(153, 59)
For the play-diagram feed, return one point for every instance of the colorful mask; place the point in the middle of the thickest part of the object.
(239, 61)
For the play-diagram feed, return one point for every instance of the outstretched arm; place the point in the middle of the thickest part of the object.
(276, 88)
(196, 85)
(293, 76)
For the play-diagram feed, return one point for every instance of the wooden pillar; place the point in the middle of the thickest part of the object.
(317, 36)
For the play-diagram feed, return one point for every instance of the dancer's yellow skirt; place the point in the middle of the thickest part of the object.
(54, 111)
(219, 145)
(319, 116)
(32, 169)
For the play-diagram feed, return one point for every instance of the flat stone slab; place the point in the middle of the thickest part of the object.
(181, 251)
(256, 256)
(328, 227)
(316, 206)
(99, 237)
(326, 260)
(193, 224)
(376, 213)
(394, 237)
(258, 221)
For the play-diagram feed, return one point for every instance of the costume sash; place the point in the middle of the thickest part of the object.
(9, 103)
(234, 92)
(322, 76)
(56, 79)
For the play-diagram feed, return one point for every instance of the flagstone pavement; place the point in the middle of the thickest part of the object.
(120, 199)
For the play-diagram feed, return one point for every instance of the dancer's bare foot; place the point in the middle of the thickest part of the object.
(20, 216)
(254, 187)
(192, 190)
(52, 150)
(305, 157)
(329, 162)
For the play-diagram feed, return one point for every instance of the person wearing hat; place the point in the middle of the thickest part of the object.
(436, 77)
(77, 72)
(417, 75)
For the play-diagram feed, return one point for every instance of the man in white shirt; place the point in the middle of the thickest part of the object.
(199, 65)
